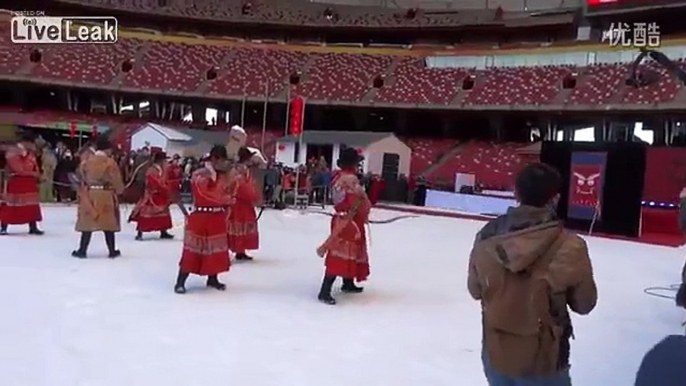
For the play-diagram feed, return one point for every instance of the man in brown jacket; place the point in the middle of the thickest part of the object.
(527, 270)
(100, 183)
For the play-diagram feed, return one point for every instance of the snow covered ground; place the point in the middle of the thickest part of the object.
(70, 322)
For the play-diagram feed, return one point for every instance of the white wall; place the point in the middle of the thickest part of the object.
(148, 137)
(175, 147)
(286, 155)
(374, 155)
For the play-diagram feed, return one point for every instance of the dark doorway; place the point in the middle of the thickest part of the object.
(318, 151)
(389, 167)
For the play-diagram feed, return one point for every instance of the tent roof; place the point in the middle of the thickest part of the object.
(168, 132)
(349, 138)
(200, 140)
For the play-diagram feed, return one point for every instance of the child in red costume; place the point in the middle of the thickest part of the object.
(152, 210)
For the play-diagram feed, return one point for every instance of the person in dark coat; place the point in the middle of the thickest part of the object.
(664, 364)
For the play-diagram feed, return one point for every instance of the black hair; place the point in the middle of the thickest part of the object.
(219, 152)
(102, 143)
(244, 154)
(27, 136)
(537, 184)
(159, 157)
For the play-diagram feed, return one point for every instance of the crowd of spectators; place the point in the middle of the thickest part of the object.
(279, 183)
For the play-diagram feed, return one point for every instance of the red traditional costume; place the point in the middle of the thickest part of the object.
(174, 176)
(242, 227)
(205, 245)
(20, 201)
(346, 248)
(152, 211)
(376, 188)
(347, 255)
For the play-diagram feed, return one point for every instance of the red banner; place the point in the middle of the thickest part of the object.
(72, 130)
(297, 110)
(665, 174)
(586, 182)
(94, 131)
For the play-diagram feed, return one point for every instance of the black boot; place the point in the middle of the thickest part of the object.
(33, 229)
(139, 236)
(350, 287)
(109, 240)
(213, 281)
(180, 287)
(164, 235)
(83, 245)
(243, 256)
(3, 229)
(325, 292)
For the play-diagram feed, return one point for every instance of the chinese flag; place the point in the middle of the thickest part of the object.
(296, 116)
(72, 130)
(94, 131)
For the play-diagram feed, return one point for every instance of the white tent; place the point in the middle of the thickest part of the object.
(182, 141)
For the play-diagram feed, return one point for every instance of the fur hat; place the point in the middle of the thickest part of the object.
(159, 156)
(349, 157)
(245, 154)
(218, 151)
(102, 143)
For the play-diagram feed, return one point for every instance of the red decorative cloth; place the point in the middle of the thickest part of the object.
(347, 256)
(152, 211)
(205, 245)
(242, 228)
(174, 177)
(377, 187)
(20, 199)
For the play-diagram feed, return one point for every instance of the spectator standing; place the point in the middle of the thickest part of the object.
(527, 270)
(49, 164)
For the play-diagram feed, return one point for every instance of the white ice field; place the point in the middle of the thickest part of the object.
(102, 322)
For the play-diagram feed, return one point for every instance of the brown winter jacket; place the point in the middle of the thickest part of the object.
(522, 236)
(98, 206)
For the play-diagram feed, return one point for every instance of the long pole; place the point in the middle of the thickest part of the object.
(264, 115)
(300, 146)
(243, 111)
(288, 109)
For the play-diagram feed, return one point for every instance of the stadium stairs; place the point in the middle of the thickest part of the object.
(445, 158)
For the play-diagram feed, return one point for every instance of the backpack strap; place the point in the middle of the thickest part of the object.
(539, 272)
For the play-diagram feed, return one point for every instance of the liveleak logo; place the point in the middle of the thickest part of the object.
(37, 30)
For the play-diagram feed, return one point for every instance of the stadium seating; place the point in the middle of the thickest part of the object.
(295, 12)
(601, 83)
(95, 64)
(325, 76)
(343, 77)
(251, 70)
(270, 136)
(414, 83)
(665, 89)
(174, 67)
(12, 56)
(426, 152)
(521, 85)
(494, 165)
